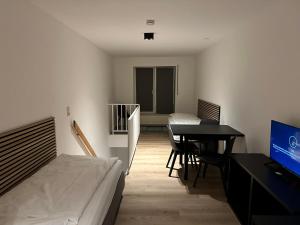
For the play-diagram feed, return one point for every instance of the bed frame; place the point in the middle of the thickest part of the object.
(23, 151)
(208, 110)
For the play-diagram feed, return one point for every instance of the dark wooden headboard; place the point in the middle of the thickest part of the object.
(208, 110)
(24, 150)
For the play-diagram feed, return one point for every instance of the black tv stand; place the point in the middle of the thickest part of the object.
(277, 169)
(270, 163)
(253, 188)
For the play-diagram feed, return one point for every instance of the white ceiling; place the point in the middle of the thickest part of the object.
(182, 26)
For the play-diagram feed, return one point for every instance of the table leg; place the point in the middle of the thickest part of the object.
(228, 150)
(186, 159)
(228, 145)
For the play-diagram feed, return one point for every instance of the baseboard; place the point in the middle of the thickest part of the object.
(153, 127)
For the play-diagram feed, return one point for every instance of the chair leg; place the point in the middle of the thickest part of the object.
(191, 159)
(171, 154)
(195, 160)
(173, 162)
(198, 173)
(204, 170)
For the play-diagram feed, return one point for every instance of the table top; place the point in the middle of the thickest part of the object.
(204, 130)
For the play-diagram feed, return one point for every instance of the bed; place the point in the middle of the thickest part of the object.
(31, 173)
(206, 110)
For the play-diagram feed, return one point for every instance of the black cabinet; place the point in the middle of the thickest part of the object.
(275, 220)
(254, 189)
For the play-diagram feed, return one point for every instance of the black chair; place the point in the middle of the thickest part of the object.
(209, 147)
(177, 149)
(215, 159)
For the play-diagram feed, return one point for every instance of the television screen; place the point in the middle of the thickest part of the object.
(285, 146)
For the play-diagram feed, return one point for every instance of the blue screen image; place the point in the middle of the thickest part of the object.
(285, 146)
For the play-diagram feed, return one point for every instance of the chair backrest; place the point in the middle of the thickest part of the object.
(171, 138)
(209, 122)
(210, 146)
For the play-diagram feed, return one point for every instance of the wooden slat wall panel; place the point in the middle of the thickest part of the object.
(24, 150)
(208, 110)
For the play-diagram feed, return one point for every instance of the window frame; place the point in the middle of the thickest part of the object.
(175, 86)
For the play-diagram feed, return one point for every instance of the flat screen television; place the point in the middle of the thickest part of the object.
(285, 146)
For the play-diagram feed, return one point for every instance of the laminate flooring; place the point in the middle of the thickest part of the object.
(152, 198)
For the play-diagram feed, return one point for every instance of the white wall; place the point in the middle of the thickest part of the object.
(255, 74)
(123, 70)
(44, 67)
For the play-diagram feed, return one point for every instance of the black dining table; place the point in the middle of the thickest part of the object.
(202, 132)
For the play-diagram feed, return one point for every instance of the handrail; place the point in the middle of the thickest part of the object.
(88, 148)
(123, 104)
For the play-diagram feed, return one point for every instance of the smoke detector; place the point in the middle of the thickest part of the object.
(150, 22)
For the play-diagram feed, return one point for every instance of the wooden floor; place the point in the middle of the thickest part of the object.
(151, 197)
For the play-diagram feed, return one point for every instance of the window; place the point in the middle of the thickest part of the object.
(155, 89)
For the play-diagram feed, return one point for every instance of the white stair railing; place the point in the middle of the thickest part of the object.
(119, 116)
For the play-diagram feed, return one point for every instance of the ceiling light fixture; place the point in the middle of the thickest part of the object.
(149, 36)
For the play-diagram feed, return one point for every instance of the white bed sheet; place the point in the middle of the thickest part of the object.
(55, 194)
(184, 118)
(98, 206)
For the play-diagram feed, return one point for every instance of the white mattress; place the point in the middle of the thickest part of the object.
(98, 206)
(184, 118)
